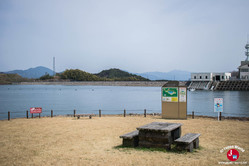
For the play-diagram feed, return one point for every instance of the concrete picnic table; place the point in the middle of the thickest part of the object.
(158, 134)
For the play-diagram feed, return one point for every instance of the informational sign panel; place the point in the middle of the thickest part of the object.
(170, 94)
(218, 104)
(182, 94)
(35, 110)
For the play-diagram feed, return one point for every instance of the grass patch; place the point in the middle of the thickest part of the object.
(94, 142)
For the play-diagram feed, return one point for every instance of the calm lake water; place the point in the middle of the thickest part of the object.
(111, 100)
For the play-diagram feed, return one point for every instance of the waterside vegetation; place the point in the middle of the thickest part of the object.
(12, 78)
(75, 75)
(105, 75)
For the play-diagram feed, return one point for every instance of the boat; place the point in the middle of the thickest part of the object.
(212, 88)
(192, 89)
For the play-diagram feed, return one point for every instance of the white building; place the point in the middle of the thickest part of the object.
(201, 76)
(244, 67)
(210, 76)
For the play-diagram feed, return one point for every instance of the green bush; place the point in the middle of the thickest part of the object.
(46, 77)
(78, 75)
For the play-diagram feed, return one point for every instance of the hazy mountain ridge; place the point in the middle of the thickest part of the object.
(36, 72)
(171, 75)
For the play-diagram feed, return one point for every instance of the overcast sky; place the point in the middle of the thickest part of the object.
(133, 35)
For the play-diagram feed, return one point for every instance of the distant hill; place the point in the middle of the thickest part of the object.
(172, 75)
(120, 75)
(10, 78)
(109, 75)
(36, 72)
(78, 75)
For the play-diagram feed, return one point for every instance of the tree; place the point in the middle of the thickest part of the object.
(46, 77)
(79, 75)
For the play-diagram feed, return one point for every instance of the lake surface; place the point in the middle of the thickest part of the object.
(111, 100)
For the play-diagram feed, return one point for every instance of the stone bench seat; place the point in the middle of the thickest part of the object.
(130, 139)
(188, 142)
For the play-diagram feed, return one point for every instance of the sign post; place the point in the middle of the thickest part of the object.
(218, 105)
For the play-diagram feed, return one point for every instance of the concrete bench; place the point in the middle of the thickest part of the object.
(130, 139)
(188, 142)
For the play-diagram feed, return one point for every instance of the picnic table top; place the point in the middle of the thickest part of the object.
(160, 126)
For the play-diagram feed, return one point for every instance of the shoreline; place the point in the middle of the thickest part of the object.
(99, 83)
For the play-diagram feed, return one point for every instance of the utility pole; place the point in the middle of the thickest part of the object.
(53, 66)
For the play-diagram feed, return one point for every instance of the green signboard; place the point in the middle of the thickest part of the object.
(170, 94)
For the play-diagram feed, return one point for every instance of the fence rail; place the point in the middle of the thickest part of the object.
(124, 113)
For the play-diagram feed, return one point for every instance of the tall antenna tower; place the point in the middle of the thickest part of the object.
(247, 39)
(54, 66)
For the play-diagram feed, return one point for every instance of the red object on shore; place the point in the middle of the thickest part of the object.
(35, 110)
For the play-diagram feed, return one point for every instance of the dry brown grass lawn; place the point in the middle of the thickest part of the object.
(69, 141)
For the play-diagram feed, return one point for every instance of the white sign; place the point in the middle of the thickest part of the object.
(182, 94)
(218, 104)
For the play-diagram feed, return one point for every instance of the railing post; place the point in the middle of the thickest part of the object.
(74, 112)
(145, 113)
(193, 114)
(220, 116)
(27, 114)
(100, 113)
(52, 113)
(8, 115)
(124, 112)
